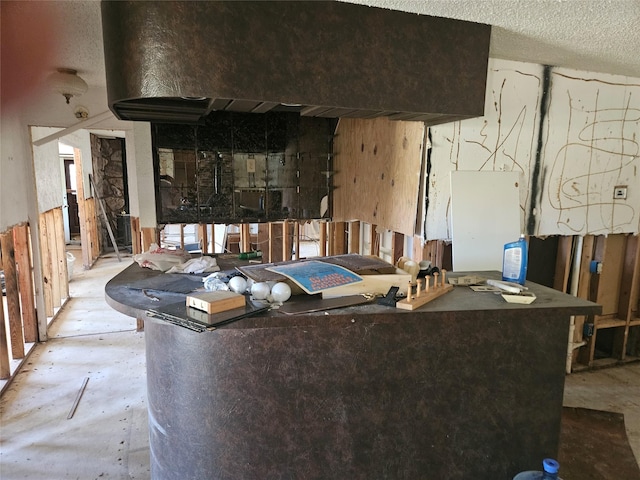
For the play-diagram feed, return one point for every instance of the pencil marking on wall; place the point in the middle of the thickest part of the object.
(571, 152)
(607, 137)
(502, 140)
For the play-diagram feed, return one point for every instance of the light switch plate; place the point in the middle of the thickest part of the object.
(620, 192)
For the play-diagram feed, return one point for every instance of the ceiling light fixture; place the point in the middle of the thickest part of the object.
(67, 82)
(81, 112)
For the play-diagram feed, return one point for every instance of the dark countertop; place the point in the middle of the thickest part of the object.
(132, 302)
(468, 386)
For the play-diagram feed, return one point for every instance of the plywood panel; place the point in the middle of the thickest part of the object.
(377, 167)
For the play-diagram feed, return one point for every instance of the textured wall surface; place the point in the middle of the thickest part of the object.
(572, 135)
(363, 393)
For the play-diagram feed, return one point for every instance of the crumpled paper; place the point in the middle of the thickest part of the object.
(196, 265)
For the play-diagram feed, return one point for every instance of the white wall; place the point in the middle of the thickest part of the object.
(16, 186)
(48, 175)
(81, 139)
(140, 174)
(588, 142)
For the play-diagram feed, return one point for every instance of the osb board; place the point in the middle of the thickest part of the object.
(377, 172)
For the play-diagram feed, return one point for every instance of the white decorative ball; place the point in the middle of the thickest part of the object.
(260, 290)
(281, 292)
(238, 284)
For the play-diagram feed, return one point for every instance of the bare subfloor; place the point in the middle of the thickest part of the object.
(107, 435)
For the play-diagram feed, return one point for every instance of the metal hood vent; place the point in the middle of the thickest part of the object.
(178, 61)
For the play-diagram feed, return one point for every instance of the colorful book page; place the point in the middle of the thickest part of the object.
(315, 277)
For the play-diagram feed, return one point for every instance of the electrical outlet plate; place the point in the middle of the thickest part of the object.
(620, 192)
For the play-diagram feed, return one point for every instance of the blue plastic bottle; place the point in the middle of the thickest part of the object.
(514, 261)
(550, 469)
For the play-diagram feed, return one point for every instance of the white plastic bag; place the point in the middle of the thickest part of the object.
(196, 265)
(162, 259)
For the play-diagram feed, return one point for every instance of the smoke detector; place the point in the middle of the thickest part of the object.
(81, 112)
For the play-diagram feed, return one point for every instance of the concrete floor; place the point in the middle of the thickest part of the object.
(107, 436)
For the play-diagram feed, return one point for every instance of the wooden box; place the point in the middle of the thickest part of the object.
(214, 302)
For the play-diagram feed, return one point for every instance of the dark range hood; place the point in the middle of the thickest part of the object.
(178, 61)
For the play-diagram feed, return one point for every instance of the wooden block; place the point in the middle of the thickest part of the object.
(214, 302)
(422, 297)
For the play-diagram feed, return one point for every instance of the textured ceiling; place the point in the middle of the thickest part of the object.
(592, 35)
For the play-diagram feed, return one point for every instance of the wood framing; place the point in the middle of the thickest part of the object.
(136, 236)
(150, 235)
(354, 237)
(203, 238)
(323, 238)
(286, 241)
(397, 247)
(613, 281)
(337, 238)
(245, 237)
(374, 240)
(629, 296)
(296, 239)
(24, 265)
(89, 238)
(270, 250)
(12, 294)
(563, 263)
(5, 365)
(432, 251)
(54, 260)
(47, 266)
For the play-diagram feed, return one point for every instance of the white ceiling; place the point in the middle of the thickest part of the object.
(592, 35)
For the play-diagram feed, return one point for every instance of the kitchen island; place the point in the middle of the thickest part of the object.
(467, 386)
